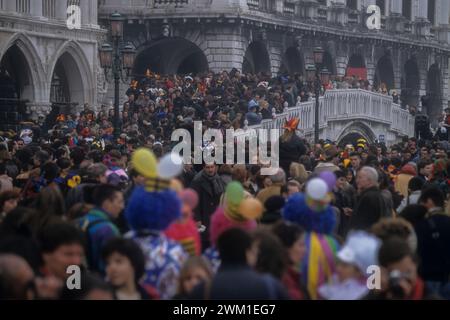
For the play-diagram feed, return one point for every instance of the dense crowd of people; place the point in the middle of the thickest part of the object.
(141, 226)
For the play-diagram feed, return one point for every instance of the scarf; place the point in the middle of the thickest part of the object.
(217, 187)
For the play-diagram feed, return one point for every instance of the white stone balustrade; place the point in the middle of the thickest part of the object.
(339, 108)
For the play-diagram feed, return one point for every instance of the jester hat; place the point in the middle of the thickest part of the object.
(153, 206)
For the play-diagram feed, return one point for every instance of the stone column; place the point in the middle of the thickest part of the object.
(422, 25)
(339, 12)
(236, 5)
(395, 20)
(225, 50)
(94, 13)
(366, 3)
(85, 7)
(9, 5)
(420, 8)
(310, 7)
(36, 8)
(396, 7)
(443, 7)
(61, 10)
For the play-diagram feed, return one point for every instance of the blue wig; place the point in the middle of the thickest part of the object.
(297, 211)
(152, 210)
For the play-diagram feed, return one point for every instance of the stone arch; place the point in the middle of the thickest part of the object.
(434, 94)
(384, 73)
(292, 61)
(30, 64)
(356, 66)
(79, 76)
(356, 129)
(410, 83)
(256, 58)
(169, 56)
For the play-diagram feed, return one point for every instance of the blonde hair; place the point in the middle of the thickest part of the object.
(298, 172)
(190, 264)
(287, 135)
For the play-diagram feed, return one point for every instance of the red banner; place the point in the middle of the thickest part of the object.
(360, 73)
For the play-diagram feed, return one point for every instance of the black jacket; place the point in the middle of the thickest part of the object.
(240, 283)
(433, 247)
(208, 201)
(291, 151)
(370, 207)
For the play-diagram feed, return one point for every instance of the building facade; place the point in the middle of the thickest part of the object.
(44, 64)
(410, 53)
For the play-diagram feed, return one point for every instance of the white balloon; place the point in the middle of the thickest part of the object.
(170, 166)
(316, 189)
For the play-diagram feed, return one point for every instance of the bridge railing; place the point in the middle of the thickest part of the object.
(343, 105)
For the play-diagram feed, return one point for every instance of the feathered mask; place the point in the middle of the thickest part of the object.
(292, 124)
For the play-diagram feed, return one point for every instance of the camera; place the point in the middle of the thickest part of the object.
(395, 278)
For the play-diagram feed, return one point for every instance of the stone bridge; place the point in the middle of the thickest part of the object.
(345, 115)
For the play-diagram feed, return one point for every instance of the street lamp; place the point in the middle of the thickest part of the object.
(317, 76)
(117, 58)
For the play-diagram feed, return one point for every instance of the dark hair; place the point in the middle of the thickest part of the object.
(233, 245)
(133, 173)
(77, 155)
(63, 163)
(42, 156)
(102, 193)
(416, 184)
(423, 163)
(393, 250)
(8, 195)
(129, 249)
(59, 152)
(50, 171)
(433, 193)
(15, 222)
(55, 235)
(396, 162)
(25, 247)
(88, 283)
(288, 233)
(355, 154)
(414, 213)
(272, 256)
(50, 204)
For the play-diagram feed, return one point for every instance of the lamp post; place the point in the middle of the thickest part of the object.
(117, 58)
(317, 76)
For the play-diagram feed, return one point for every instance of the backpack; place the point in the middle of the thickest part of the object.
(85, 226)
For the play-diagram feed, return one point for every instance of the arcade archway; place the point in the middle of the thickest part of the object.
(292, 62)
(411, 84)
(384, 73)
(434, 95)
(171, 56)
(16, 87)
(256, 58)
(328, 62)
(356, 67)
(354, 131)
